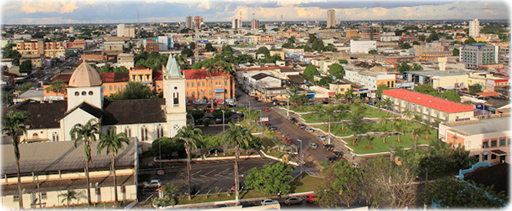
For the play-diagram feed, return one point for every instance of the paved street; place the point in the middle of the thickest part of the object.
(206, 175)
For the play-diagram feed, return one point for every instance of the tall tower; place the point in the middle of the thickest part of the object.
(331, 21)
(474, 28)
(188, 22)
(174, 94)
(240, 21)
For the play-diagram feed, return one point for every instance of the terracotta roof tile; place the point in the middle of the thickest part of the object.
(428, 101)
(200, 74)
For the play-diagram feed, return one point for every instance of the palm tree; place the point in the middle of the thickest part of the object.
(349, 94)
(192, 137)
(216, 66)
(87, 133)
(388, 103)
(236, 136)
(69, 196)
(113, 142)
(407, 114)
(14, 126)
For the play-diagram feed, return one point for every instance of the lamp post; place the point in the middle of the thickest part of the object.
(328, 135)
(301, 157)
(249, 121)
(223, 130)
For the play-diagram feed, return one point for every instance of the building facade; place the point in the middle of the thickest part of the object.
(362, 46)
(200, 85)
(125, 60)
(478, 54)
(474, 28)
(331, 18)
(188, 22)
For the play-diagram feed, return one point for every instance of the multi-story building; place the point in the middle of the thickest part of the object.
(255, 24)
(439, 79)
(434, 55)
(125, 60)
(188, 22)
(370, 80)
(236, 24)
(362, 46)
(151, 45)
(351, 34)
(474, 28)
(125, 30)
(486, 138)
(198, 20)
(267, 39)
(331, 18)
(478, 54)
(41, 48)
(200, 85)
(370, 33)
(428, 107)
(120, 30)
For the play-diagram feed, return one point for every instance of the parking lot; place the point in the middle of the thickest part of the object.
(206, 175)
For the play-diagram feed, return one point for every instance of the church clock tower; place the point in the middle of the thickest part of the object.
(174, 94)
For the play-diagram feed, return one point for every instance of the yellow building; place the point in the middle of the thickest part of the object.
(41, 48)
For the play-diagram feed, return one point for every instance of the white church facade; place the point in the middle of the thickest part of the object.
(145, 119)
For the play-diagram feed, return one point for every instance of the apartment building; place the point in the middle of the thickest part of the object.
(351, 34)
(362, 46)
(487, 137)
(41, 48)
(439, 79)
(370, 33)
(369, 79)
(200, 85)
(474, 28)
(331, 18)
(478, 54)
(428, 107)
(125, 60)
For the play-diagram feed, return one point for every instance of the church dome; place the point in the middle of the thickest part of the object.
(85, 76)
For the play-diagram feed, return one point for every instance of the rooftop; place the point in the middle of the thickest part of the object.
(85, 76)
(201, 74)
(485, 126)
(428, 101)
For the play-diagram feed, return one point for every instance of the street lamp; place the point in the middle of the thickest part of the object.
(223, 130)
(301, 157)
(249, 122)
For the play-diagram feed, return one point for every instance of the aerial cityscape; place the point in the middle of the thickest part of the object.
(358, 105)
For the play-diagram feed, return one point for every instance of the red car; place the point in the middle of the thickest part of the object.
(267, 109)
(288, 140)
(311, 197)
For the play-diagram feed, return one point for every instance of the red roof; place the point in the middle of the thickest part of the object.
(63, 77)
(114, 77)
(200, 74)
(140, 67)
(488, 94)
(428, 101)
(158, 76)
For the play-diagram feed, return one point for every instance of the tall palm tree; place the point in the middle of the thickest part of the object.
(113, 142)
(14, 125)
(192, 137)
(407, 114)
(69, 196)
(349, 94)
(87, 133)
(216, 66)
(237, 135)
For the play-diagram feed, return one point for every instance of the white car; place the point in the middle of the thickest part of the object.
(269, 201)
(309, 130)
(321, 137)
(152, 184)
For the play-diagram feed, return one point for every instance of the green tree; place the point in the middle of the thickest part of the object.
(228, 51)
(25, 87)
(270, 179)
(459, 194)
(349, 95)
(263, 50)
(134, 90)
(432, 37)
(187, 52)
(69, 196)
(106, 69)
(416, 67)
(470, 41)
(341, 184)
(324, 81)
(13, 125)
(343, 61)
(192, 138)
(475, 88)
(236, 136)
(337, 70)
(372, 52)
(112, 143)
(404, 67)
(310, 72)
(405, 46)
(88, 134)
(57, 86)
(357, 125)
(451, 95)
(422, 38)
(7, 98)
(456, 52)
(318, 45)
(209, 47)
(192, 46)
(379, 90)
(26, 66)
(121, 69)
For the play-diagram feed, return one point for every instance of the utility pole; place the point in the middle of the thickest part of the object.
(328, 135)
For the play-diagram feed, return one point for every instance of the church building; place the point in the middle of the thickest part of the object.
(145, 119)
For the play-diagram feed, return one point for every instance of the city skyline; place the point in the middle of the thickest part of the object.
(84, 12)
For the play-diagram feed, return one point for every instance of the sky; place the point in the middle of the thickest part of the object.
(156, 11)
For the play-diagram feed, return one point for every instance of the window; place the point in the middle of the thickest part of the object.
(210, 83)
(122, 86)
(192, 84)
(503, 142)
(147, 77)
(128, 131)
(198, 84)
(159, 131)
(43, 195)
(225, 83)
(203, 83)
(115, 87)
(187, 84)
(55, 137)
(91, 93)
(77, 93)
(144, 133)
(110, 87)
(84, 93)
(485, 144)
(15, 198)
(494, 143)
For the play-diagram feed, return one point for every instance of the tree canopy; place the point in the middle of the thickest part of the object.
(337, 70)
(310, 72)
(26, 66)
(341, 184)
(475, 88)
(270, 179)
(135, 90)
(263, 50)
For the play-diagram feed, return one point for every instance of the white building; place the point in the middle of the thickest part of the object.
(362, 46)
(120, 30)
(331, 17)
(474, 28)
(125, 60)
(369, 79)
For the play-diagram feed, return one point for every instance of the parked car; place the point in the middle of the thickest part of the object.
(338, 154)
(313, 145)
(240, 187)
(321, 137)
(273, 128)
(269, 201)
(329, 147)
(309, 130)
(267, 109)
(289, 117)
(302, 126)
(311, 197)
(288, 140)
(214, 150)
(154, 183)
(293, 200)
(294, 121)
(332, 158)
(355, 165)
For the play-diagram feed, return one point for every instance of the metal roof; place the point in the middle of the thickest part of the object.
(486, 126)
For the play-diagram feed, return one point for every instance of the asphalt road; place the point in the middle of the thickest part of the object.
(287, 128)
(206, 175)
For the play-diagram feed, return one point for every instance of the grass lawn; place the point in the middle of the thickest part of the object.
(337, 130)
(252, 128)
(107, 205)
(369, 113)
(308, 183)
(378, 146)
(275, 153)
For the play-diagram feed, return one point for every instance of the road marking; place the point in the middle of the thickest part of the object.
(197, 172)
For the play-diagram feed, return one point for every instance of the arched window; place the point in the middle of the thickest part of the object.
(159, 131)
(176, 96)
(55, 137)
(144, 133)
(128, 132)
(35, 136)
